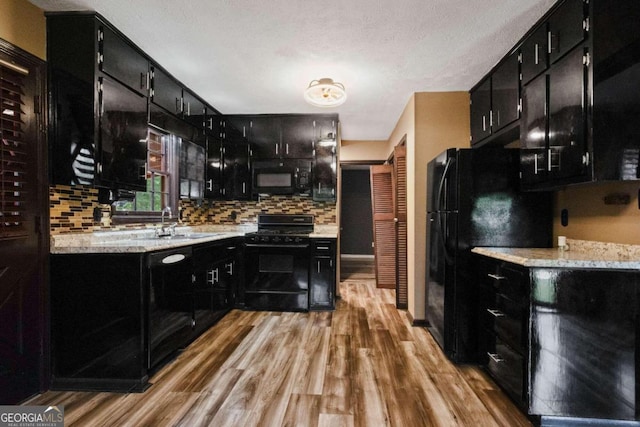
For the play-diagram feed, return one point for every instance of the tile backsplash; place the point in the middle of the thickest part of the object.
(72, 209)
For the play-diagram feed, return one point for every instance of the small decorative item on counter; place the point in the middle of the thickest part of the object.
(562, 243)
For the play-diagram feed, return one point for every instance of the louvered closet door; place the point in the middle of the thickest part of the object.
(23, 237)
(400, 174)
(384, 228)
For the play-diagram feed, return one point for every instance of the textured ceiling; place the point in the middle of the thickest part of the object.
(251, 56)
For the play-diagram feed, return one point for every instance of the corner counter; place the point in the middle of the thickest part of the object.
(581, 254)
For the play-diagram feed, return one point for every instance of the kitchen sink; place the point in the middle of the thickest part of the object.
(179, 237)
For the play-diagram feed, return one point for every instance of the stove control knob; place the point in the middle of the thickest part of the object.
(287, 239)
(297, 239)
(264, 238)
(276, 239)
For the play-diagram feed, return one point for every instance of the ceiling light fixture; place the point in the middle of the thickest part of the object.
(325, 93)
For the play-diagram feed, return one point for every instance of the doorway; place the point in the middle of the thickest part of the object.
(356, 234)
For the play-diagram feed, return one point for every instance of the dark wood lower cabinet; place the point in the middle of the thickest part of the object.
(116, 318)
(562, 342)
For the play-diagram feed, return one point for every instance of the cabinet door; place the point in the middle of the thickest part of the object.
(324, 171)
(297, 137)
(236, 169)
(193, 110)
(480, 112)
(322, 283)
(533, 132)
(505, 93)
(213, 178)
(567, 117)
(325, 128)
(191, 170)
(566, 28)
(123, 135)
(166, 92)
(584, 343)
(322, 278)
(122, 61)
(534, 54)
(264, 136)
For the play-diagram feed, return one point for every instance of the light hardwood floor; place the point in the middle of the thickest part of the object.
(362, 365)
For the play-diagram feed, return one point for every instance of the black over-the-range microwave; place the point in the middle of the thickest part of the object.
(281, 176)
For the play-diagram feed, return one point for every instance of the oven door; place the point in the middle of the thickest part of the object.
(277, 277)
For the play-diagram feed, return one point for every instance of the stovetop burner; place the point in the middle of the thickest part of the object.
(282, 229)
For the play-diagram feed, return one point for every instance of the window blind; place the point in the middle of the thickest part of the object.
(13, 154)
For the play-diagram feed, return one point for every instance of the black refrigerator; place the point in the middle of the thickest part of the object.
(473, 200)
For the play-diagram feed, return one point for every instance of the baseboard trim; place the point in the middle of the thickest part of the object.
(354, 257)
(422, 323)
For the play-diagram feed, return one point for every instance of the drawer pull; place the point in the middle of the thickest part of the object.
(496, 277)
(495, 357)
(495, 313)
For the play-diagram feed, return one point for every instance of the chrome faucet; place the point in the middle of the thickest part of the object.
(163, 231)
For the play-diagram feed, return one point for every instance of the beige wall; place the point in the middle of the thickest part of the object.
(363, 150)
(591, 219)
(431, 122)
(23, 25)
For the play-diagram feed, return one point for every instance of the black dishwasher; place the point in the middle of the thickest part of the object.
(170, 310)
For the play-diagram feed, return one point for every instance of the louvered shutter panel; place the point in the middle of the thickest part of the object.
(400, 174)
(384, 230)
(13, 156)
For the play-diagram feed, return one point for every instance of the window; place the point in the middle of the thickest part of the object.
(159, 171)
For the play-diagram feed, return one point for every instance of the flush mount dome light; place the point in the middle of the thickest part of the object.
(325, 93)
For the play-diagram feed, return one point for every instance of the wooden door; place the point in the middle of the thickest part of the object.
(23, 227)
(384, 227)
(400, 218)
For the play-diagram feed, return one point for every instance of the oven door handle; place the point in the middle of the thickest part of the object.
(275, 245)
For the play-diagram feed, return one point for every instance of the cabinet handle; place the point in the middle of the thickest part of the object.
(535, 164)
(318, 267)
(585, 159)
(188, 108)
(491, 119)
(323, 247)
(484, 123)
(495, 357)
(495, 313)
(229, 268)
(537, 54)
(210, 185)
(193, 323)
(286, 146)
(549, 40)
(211, 123)
(496, 277)
(276, 149)
(213, 276)
(143, 171)
(244, 188)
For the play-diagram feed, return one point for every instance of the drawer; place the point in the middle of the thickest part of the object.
(510, 282)
(507, 367)
(508, 320)
(323, 247)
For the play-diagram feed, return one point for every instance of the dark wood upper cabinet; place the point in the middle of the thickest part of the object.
(535, 54)
(193, 109)
(236, 166)
(123, 135)
(166, 91)
(297, 136)
(265, 137)
(567, 28)
(481, 111)
(533, 132)
(505, 93)
(122, 61)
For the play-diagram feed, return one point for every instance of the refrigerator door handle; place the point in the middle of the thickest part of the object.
(443, 233)
(443, 179)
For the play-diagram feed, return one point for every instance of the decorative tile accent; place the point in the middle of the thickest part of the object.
(71, 210)
(240, 212)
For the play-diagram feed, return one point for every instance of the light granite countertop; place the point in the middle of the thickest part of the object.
(581, 254)
(140, 241)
